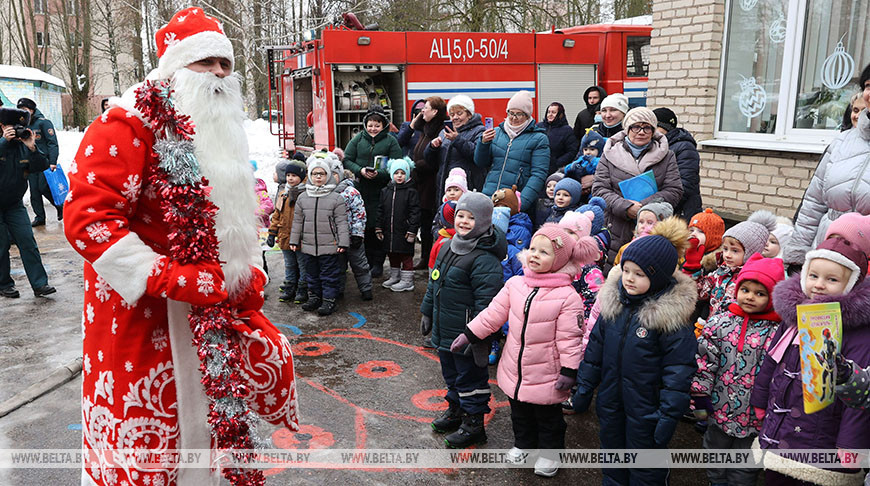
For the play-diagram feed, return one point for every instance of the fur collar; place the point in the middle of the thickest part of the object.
(855, 306)
(668, 313)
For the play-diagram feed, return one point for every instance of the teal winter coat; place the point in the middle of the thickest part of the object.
(523, 161)
(460, 287)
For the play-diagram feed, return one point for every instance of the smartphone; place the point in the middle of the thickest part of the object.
(448, 124)
(487, 123)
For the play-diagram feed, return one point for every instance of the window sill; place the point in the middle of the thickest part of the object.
(773, 146)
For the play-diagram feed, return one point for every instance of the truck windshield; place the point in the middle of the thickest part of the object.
(637, 56)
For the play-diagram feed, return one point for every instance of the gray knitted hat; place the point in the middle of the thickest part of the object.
(662, 209)
(480, 205)
(753, 233)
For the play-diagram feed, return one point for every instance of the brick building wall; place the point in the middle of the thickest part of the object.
(685, 54)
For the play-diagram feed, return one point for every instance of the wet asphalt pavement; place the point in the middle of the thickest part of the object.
(364, 382)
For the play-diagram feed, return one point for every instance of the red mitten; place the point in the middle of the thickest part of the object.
(251, 298)
(693, 256)
(268, 369)
(200, 284)
(759, 413)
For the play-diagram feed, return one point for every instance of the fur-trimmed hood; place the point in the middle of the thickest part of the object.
(667, 313)
(855, 306)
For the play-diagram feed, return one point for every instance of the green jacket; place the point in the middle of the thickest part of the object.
(46, 139)
(464, 286)
(361, 152)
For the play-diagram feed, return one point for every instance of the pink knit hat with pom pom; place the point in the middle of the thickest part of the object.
(566, 249)
(579, 223)
(456, 178)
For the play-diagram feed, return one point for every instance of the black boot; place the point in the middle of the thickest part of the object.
(301, 296)
(327, 307)
(313, 303)
(287, 294)
(449, 421)
(470, 432)
(59, 212)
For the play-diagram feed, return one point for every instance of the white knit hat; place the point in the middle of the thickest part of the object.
(618, 101)
(462, 101)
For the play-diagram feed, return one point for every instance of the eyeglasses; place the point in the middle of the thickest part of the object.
(641, 128)
(515, 114)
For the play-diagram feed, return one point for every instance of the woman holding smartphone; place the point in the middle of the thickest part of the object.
(454, 147)
(414, 139)
(359, 158)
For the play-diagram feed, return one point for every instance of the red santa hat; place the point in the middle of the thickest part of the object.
(190, 36)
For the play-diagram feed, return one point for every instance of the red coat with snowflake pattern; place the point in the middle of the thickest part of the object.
(141, 374)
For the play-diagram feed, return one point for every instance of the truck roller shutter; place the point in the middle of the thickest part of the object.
(564, 83)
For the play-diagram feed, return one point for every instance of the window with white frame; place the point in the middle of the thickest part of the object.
(789, 68)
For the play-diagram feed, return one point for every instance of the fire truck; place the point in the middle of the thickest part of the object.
(324, 86)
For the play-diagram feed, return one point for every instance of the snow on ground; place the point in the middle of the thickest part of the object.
(262, 145)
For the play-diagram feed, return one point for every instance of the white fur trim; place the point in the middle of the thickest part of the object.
(126, 266)
(194, 48)
(834, 257)
(127, 102)
(194, 432)
(263, 272)
(801, 471)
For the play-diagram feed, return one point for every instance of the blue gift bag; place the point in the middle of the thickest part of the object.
(57, 183)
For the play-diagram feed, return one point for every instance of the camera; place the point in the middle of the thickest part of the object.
(18, 119)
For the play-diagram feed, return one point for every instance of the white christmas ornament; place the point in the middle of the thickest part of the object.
(777, 31)
(838, 67)
(753, 98)
(748, 5)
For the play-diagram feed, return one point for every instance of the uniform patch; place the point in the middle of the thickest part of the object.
(642, 332)
(435, 274)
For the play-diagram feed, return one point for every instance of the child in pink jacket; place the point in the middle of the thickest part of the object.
(539, 362)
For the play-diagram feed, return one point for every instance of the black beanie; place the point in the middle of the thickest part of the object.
(656, 256)
(666, 118)
(865, 76)
(27, 103)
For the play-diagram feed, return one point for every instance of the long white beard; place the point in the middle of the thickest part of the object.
(215, 107)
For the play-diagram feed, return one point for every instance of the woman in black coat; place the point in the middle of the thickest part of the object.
(684, 147)
(563, 143)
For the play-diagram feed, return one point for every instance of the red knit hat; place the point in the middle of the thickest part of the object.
(766, 271)
(190, 36)
(711, 225)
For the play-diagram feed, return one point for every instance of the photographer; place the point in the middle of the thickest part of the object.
(46, 140)
(19, 156)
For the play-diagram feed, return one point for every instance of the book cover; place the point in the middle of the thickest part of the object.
(639, 187)
(820, 332)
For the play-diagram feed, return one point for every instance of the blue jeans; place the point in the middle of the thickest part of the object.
(15, 223)
(467, 383)
(294, 270)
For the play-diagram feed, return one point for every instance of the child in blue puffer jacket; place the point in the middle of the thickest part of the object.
(588, 157)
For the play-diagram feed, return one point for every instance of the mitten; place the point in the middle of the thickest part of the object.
(703, 407)
(582, 399)
(480, 353)
(425, 325)
(843, 367)
(200, 284)
(251, 298)
(564, 383)
(665, 429)
(270, 241)
(694, 255)
(459, 344)
(759, 413)
(356, 241)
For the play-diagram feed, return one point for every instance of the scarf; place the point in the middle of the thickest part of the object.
(463, 246)
(636, 150)
(547, 280)
(768, 315)
(315, 191)
(514, 132)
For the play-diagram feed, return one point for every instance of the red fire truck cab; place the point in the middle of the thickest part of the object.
(323, 87)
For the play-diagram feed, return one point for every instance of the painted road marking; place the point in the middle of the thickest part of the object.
(295, 330)
(361, 321)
